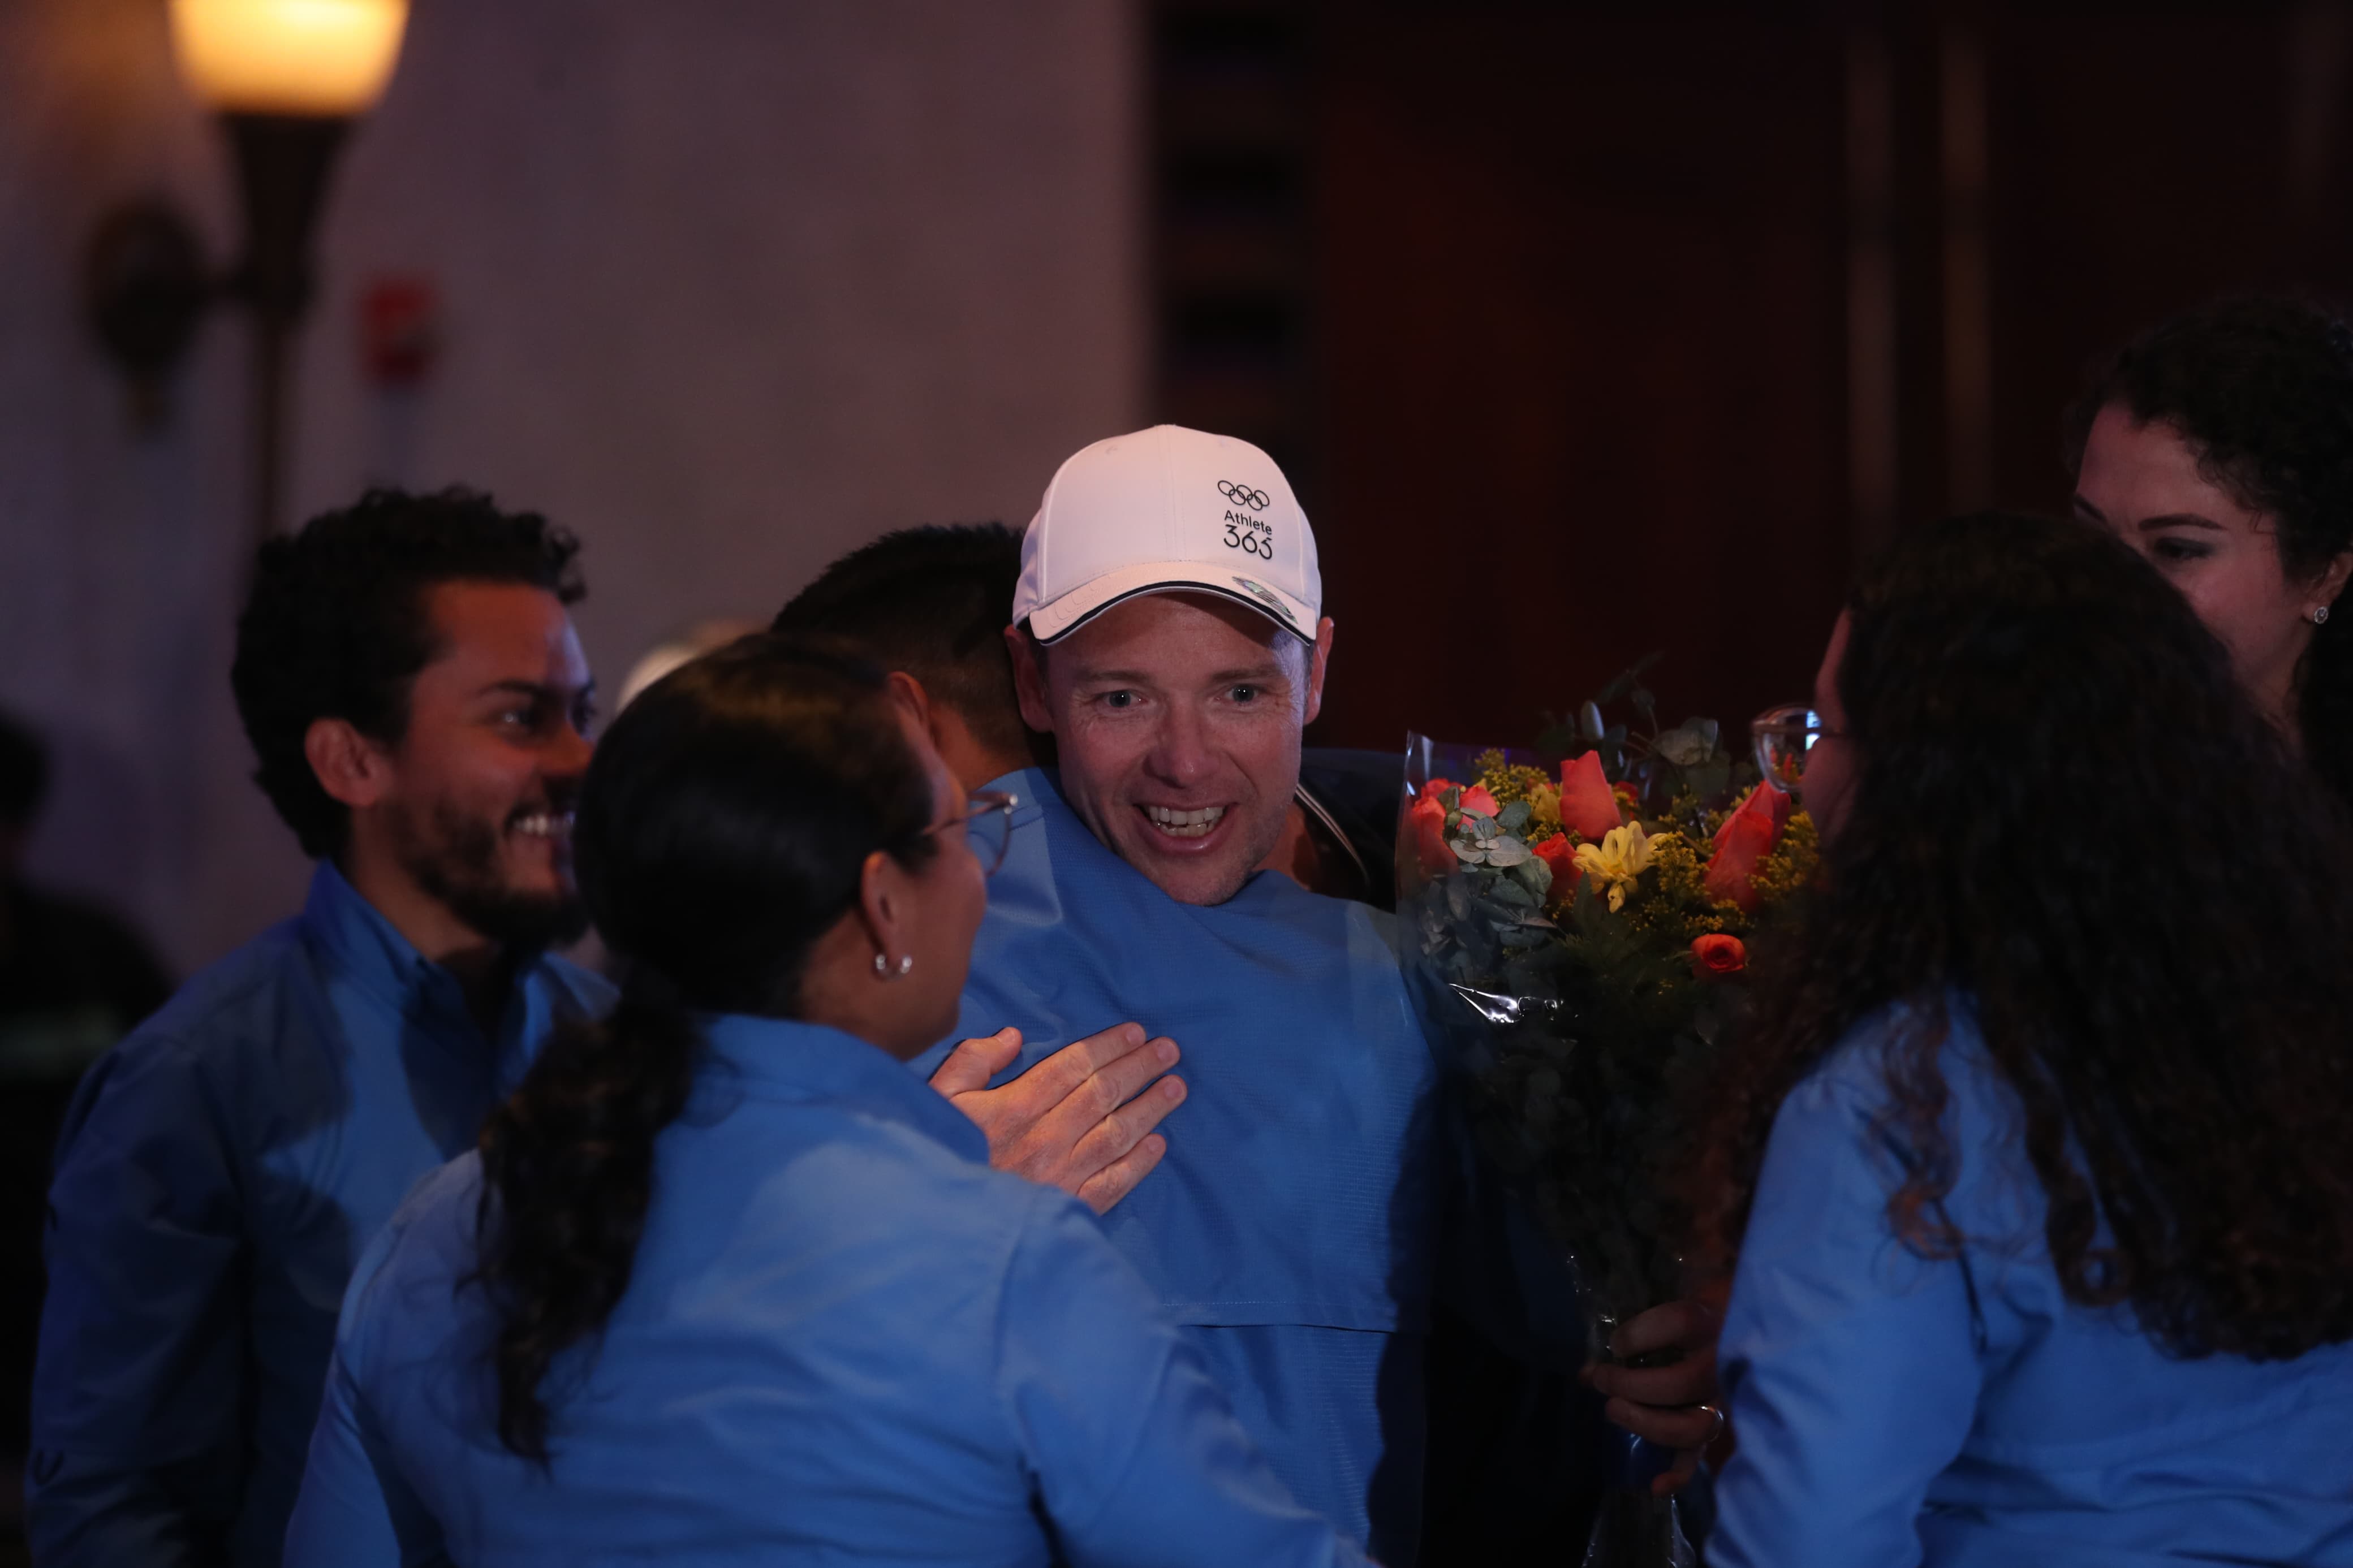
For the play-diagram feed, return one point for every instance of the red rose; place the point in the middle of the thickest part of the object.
(1559, 854)
(1746, 836)
(1477, 799)
(1717, 954)
(1426, 830)
(1437, 787)
(1589, 807)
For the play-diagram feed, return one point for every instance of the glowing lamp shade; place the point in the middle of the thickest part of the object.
(323, 57)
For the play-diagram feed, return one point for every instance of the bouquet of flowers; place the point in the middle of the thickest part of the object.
(1577, 940)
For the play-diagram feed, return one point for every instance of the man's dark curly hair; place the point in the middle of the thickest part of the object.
(2064, 810)
(2262, 388)
(934, 601)
(336, 626)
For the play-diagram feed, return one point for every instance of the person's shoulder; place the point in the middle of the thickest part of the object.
(1862, 1108)
(411, 1271)
(443, 1207)
(223, 1008)
(1862, 1068)
(221, 1047)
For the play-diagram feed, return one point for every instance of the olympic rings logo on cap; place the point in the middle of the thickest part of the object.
(1243, 496)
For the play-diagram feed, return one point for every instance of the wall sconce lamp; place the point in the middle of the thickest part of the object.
(287, 78)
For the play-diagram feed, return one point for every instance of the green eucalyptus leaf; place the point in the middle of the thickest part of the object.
(1684, 746)
(1514, 896)
(1473, 857)
(1514, 817)
(1508, 851)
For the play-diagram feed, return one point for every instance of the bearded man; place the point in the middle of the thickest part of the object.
(420, 711)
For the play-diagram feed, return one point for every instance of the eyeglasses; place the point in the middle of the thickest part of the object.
(987, 822)
(1782, 737)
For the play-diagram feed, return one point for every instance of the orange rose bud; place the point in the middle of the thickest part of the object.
(1746, 836)
(1425, 831)
(1476, 799)
(1559, 854)
(1717, 954)
(1589, 807)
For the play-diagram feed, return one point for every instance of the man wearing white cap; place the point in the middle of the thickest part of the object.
(1168, 631)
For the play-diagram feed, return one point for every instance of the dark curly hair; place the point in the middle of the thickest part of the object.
(335, 627)
(721, 831)
(2262, 388)
(2064, 809)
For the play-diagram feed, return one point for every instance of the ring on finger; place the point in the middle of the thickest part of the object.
(1718, 1421)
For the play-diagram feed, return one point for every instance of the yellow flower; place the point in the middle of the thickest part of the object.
(1623, 855)
(1544, 812)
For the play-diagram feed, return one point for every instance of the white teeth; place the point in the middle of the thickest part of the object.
(546, 824)
(1184, 824)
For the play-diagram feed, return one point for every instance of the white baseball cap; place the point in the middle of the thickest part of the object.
(1167, 511)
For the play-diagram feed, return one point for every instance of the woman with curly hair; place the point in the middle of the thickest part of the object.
(2219, 444)
(2034, 1158)
(725, 1282)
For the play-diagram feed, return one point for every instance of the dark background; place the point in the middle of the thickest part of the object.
(1590, 334)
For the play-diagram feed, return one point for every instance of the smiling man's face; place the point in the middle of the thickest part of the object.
(487, 769)
(1177, 718)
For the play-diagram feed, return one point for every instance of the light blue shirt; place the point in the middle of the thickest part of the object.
(1289, 1229)
(1963, 1413)
(219, 1173)
(844, 1338)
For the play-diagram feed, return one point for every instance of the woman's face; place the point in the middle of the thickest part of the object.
(946, 895)
(2141, 482)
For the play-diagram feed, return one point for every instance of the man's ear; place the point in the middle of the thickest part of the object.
(1319, 658)
(909, 693)
(350, 767)
(1029, 681)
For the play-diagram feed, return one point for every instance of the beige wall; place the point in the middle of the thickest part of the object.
(729, 286)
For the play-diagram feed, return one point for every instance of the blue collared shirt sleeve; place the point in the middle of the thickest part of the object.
(1851, 1362)
(355, 1510)
(138, 1396)
(1137, 1454)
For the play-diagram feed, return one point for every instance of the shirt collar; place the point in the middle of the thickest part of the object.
(366, 947)
(779, 1058)
(367, 950)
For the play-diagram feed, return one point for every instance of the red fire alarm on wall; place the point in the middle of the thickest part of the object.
(400, 331)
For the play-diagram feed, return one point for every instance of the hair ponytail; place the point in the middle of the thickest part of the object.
(724, 828)
(568, 1175)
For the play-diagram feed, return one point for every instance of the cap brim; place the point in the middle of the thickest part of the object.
(1049, 623)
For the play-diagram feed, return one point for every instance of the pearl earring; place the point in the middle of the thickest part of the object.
(2320, 617)
(882, 967)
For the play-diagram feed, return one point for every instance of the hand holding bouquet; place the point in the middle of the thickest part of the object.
(1579, 940)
